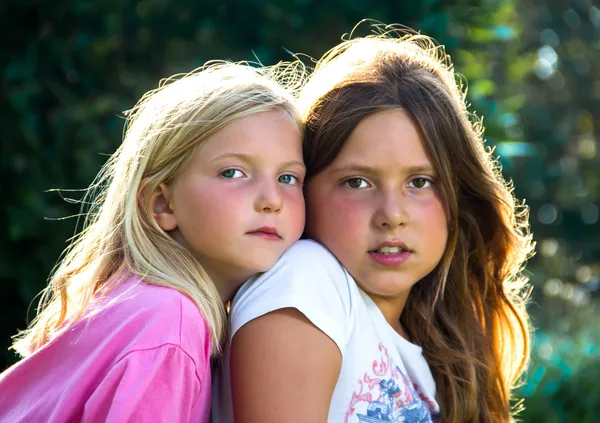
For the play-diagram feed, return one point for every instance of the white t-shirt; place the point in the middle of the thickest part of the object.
(384, 378)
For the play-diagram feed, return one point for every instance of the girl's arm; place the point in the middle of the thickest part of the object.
(283, 369)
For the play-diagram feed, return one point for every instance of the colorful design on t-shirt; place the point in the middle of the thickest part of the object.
(390, 396)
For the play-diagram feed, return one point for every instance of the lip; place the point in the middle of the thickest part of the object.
(390, 260)
(391, 243)
(266, 232)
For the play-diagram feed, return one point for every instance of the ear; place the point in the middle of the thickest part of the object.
(161, 201)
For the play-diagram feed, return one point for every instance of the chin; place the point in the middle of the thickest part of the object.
(264, 264)
(390, 289)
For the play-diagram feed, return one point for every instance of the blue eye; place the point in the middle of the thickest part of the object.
(288, 180)
(356, 183)
(232, 174)
(420, 183)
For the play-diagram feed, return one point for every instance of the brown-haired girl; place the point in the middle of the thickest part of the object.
(408, 304)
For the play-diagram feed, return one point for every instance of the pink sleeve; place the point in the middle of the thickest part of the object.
(155, 385)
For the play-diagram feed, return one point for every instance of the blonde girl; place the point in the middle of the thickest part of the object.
(407, 305)
(204, 192)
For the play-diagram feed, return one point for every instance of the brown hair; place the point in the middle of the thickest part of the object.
(469, 314)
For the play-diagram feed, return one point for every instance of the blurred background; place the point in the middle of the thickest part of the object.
(69, 69)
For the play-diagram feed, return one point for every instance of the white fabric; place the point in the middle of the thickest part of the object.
(384, 378)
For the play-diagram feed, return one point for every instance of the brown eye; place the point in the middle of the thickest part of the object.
(420, 183)
(356, 183)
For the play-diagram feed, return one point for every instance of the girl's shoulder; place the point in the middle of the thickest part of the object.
(309, 257)
(154, 316)
(308, 278)
(138, 298)
(306, 267)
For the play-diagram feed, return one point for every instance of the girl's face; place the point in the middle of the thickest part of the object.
(239, 203)
(377, 208)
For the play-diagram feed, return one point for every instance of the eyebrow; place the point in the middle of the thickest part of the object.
(249, 159)
(358, 168)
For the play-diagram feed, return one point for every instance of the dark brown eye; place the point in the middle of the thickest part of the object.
(356, 183)
(420, 183)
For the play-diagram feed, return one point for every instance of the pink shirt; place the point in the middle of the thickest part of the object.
(145, 358)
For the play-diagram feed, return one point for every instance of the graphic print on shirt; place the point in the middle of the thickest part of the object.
(390, 396)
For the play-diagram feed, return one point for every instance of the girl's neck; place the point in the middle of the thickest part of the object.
(227, 290)
(391, 308)
(227, 283)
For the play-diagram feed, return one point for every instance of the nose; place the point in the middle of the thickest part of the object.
(269, 199)
(391, 211)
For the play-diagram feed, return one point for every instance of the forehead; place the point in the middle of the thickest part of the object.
(261, 133)
(388, 137)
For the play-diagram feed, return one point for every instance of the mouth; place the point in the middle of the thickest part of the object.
(266, 232)
(390, 254)
(390, 248)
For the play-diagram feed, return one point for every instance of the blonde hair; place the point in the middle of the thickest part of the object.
(469, 314)
(120, 236)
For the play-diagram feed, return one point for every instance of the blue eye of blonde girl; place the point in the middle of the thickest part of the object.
(288, 180)
(232, 174)
(356, 183)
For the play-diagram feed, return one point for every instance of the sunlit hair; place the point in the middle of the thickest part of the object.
(469, 313)
(120, 236)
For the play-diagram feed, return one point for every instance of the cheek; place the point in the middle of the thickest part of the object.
(294, 210)
(336, 219)
(432, 216)
(208, 207)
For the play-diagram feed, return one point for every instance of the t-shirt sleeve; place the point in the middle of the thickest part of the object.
(308, 278)
(155, 385)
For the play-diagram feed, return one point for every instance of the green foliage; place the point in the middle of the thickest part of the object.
(562, 384)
